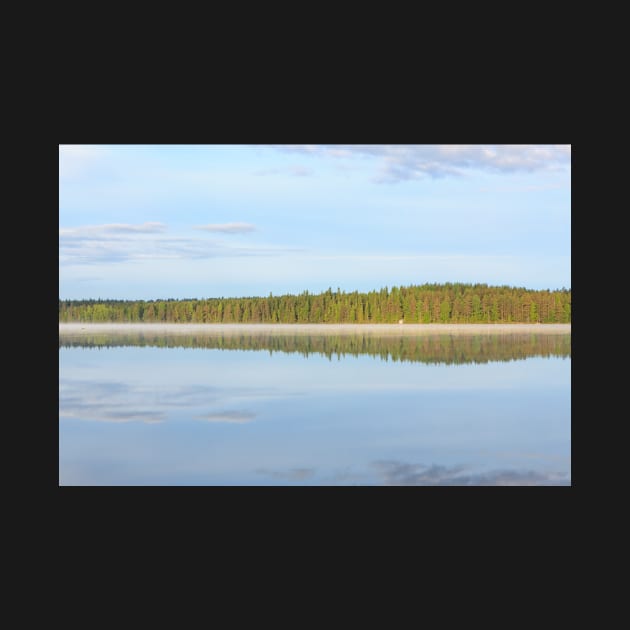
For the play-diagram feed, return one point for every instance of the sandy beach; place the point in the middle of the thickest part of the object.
(312, 329)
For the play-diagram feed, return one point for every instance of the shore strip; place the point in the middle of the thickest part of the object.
(78, 328)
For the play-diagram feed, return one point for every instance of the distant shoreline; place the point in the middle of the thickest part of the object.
(74, 328)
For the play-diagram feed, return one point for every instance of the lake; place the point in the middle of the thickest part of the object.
(314, 405)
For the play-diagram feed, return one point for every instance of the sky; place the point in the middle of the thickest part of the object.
(200, 221)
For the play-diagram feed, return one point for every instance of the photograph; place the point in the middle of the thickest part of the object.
(314, 315)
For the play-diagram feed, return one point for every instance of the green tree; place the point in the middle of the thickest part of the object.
(445, 310)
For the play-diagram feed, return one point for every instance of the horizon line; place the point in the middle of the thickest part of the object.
(307, 291)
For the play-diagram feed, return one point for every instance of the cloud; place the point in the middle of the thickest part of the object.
(151, 227)
(117, 242)
(406, 162)
(294, 474)
(227, 228)
(396, 473)
(229, 417)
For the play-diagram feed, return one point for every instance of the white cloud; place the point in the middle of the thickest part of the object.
(114, 228)
(227, 228)
(404, 162)
(119, 242)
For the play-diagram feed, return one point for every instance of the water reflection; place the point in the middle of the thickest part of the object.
(105, 401)
(231, 417)
(411, 411)
(115, 401)
(292, 475)
(398, 473)
(434, 348)
(394, 473)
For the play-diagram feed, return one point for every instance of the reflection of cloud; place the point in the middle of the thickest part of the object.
(104, 402)
(116, 401)
(347, 477)
(396, 473)
(230, 417)
(88, 412)
(187, 395)
(112, 401)
(293, 474)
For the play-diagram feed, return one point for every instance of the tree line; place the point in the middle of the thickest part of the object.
(438, 348)
(424, 304)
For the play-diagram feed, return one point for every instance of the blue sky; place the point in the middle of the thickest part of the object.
(178, 221)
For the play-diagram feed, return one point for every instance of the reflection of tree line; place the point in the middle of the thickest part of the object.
(426, 349)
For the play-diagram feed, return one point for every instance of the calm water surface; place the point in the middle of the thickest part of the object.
(265, 409)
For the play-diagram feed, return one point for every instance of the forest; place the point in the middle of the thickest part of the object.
(454, 303)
